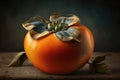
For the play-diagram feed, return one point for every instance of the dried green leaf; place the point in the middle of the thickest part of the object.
(69, 34)
(101, 67)
(18, 60)
(99, 59)
(98, 67)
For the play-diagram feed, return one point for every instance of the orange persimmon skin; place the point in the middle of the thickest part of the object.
(51, 55)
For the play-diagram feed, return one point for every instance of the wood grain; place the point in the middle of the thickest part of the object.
(27, 71)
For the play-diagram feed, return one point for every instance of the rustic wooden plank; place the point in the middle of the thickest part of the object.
(27, 71)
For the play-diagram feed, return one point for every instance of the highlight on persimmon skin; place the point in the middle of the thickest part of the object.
(51, 55)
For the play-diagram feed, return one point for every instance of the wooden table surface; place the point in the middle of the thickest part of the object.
(28, 72)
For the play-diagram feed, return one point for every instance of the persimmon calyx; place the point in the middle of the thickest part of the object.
(69, 20)
(71, 33)
(60, 25)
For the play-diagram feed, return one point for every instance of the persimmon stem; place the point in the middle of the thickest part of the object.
(56, 26)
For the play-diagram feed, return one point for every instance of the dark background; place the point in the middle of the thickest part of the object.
(101, 16)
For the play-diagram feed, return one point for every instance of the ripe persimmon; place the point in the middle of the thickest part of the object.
(52, 55)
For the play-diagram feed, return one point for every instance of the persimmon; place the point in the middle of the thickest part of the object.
(54, 54)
